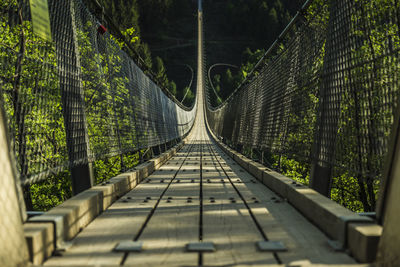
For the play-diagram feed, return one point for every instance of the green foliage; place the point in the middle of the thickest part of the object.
(105, 169)
(190, 97)
(160, 72)
(32, 101)
(172, 87)
(365, 109)
(273, 18)
(345, 192)
(297, 170)
(145, 53)
(51, 192)
(131, 36)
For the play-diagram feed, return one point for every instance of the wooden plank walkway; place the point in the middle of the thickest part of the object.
(199, 195)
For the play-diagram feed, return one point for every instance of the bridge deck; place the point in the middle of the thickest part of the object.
(199, 195)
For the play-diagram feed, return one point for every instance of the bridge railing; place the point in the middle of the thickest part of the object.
(75, 99)
(319, 106)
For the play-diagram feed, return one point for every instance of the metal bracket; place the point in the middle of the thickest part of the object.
(200, 247)
(271, 246)
(129, 246)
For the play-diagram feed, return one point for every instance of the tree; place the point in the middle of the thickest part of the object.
(172, 88)
(160, 72)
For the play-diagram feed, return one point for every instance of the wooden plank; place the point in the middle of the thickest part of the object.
(228, 225)
(174, 223)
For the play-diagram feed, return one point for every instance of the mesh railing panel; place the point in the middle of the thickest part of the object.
(80, 97)
(322, 100)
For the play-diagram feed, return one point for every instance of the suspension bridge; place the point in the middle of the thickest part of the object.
(204, 193)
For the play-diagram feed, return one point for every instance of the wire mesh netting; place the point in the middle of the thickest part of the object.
(78, 98)
(322, 99)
